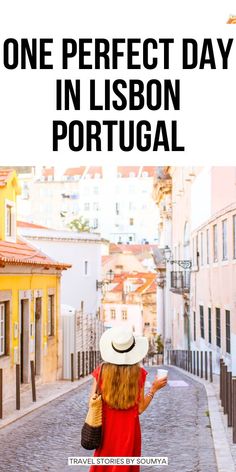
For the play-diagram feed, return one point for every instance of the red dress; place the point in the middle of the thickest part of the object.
(121, 434)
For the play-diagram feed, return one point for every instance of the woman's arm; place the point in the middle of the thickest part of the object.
(93, 389)
(145, 400)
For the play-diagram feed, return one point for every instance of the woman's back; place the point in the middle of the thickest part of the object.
(122, 435)
(120, 385)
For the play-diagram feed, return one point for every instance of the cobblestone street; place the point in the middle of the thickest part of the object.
(175, 425)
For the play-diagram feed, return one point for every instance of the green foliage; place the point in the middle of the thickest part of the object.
(80, 224)
(159, 344)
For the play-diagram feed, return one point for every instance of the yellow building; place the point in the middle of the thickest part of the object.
(30, 327)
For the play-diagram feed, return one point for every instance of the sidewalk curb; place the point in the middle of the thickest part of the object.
(35, 406)
(223, 454)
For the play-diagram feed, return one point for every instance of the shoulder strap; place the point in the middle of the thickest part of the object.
(98, 391)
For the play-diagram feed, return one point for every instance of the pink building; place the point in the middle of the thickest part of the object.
(198, 224)
(213, 241)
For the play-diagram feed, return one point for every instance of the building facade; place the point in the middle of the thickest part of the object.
(200, 258)
(30, 323)
(131, 301)
(55, 197)
(83, 252)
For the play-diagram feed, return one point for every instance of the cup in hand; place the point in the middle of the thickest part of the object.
(162, 373)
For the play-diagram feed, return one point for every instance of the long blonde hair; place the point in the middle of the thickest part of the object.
(120, 385)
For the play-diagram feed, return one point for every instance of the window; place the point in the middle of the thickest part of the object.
(8, 221)
(224, 240)
(86, 206)
(131, 221)
(2, 329)
(227, 331)
(50, 315)
(95, 190)
(117, 208)
(96, 206)
(95, 223)
(202, 254)
(124, 314)
(218, 328)
(113, 314)
(207, 247)
(234, 236)
(209, 325)
(215, 244)
(202, 321)
(194, 326)
(85, 267)
(25, 191)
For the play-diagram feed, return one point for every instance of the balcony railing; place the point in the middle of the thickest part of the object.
(180, 281)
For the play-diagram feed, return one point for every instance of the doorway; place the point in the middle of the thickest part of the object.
(38, 334)
(24, 340)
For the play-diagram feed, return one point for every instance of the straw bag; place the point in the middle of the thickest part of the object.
(91, 433)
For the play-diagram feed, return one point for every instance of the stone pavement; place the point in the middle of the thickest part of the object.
(222, 434)
(175, 425)
(45, 393)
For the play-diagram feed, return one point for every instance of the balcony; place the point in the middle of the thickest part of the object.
(180, 281)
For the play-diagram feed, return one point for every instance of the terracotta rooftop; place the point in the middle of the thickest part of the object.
(26, 224)
(150, 170)
(145, 281)
(125, 171)
(75, 171)
(92, 171)
(48, 171)
(232, 20)
(106, 259)
(4, 176)
(22, 253)
(133, 248)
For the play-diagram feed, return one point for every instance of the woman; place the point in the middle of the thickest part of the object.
(122, 386)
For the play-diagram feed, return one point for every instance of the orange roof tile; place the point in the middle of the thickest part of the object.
(134, 248)
(144, 280)
(125, 170)
(150, 170)
(22, 253)
(48, 171)
(4, 176)
(95, 170)
(232, 20)
(26, 224)
(152, 288)
(106, 259)
(75, 171)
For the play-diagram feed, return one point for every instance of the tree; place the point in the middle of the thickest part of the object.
(159, 344)
(80, 224)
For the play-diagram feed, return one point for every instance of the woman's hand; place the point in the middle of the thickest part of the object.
(157, 384)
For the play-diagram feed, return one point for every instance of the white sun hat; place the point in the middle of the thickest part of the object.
(119, 346)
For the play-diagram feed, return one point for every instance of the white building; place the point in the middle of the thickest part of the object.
(116, 201)
(83, 251)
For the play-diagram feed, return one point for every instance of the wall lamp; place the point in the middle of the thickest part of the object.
(185, 264)
(104, 283)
